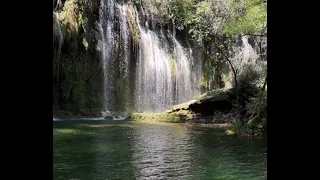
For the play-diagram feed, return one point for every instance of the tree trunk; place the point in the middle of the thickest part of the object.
(234, 71)
(235, 79)
(257, 108)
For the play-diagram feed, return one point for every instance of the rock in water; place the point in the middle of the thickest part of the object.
(108, 117)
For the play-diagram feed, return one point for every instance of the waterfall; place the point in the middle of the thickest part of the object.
(246, 55)
(106, 45)
(164, 77)
(147, 64)
(183, 78)
(125, 56)
(57, 33)
(58, 4)
(58, 29)
(155, 92)
(163, 67)
(196, 61)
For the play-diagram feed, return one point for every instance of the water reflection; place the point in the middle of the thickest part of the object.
(161, 151)
(224, 157)
(126, 150)
(112, 147)
(71, 158)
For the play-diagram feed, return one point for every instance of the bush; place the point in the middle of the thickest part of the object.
(249, 85)
(240, 128)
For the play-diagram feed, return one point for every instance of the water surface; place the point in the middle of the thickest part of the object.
(131, 150)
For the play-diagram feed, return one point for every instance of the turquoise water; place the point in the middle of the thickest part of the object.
(130, 150)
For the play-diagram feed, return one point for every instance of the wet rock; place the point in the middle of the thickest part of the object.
(208, 106)
(108, 117)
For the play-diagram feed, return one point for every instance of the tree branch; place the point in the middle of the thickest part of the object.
(233, 70)
(257, 108)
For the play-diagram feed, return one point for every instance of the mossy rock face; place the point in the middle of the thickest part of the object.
(183, 106)
(173, 68)
(217, 94)
(133, 28)
(68, 18)
(77, 76)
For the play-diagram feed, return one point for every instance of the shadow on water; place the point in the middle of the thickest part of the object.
(91, 150)
(131, 150)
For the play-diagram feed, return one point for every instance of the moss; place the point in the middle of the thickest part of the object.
(85, 43)
(183, 106)
(68, 16)
(77, 88)
(185, 115)
(67, 131)
(71, 20)
(208, 72)
(158, 117)
(215, 93)
(204, 82)
(172, 66)
(82, 21)
(230, 132)
(227, 76)
(132, 25)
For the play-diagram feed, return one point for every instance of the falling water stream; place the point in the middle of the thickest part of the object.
(58, 29)
(161, 71)
(163, 75)
(106, 28)
(166, 73)
(246, 55)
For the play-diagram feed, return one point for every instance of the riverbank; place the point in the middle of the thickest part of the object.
(213, 108)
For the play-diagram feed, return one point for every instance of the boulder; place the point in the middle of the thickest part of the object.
(209, 105)
(108, 117)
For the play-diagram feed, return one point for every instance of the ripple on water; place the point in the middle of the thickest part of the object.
(153, 151)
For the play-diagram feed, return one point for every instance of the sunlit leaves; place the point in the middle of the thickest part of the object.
(204, 18)
(251, 18)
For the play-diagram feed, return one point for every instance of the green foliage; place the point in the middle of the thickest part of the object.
(181, 13)
(251, 20)
(205, 18)
(240, 128)
(250, 77)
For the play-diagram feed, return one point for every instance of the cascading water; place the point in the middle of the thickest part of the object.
(246, 55)
(106, 45)
(164, 77)
(183, 78)
(163, 67)
(125, 56)
(196, 68)
(115, 48)
(146, 63)
(259, 44)
(155, 81)
(59, 35)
